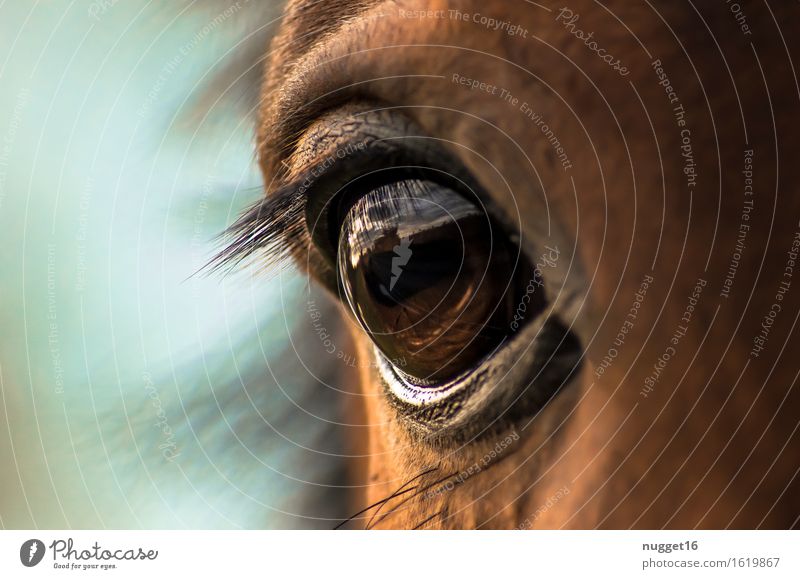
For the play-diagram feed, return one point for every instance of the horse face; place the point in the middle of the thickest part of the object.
(617, 171)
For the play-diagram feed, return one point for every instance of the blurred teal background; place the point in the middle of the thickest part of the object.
(135, 394)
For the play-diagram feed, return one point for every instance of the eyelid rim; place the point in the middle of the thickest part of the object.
(382, 145)
(527, 372)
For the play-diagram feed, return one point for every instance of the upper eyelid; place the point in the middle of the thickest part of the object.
(336, 148)
(339, 129)
(385, 134)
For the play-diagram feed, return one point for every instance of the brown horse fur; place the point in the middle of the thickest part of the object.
(714, 442)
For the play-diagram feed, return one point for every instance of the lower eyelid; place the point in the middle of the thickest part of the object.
(532, 368)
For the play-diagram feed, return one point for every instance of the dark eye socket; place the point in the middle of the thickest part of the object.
(432, 279)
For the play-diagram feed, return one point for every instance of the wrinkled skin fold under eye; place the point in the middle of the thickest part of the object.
(430, 277)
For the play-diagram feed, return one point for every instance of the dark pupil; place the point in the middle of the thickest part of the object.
(430, 279)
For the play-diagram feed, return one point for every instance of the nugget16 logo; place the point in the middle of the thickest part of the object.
(31, 552)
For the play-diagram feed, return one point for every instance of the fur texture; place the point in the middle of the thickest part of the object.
(714, 443)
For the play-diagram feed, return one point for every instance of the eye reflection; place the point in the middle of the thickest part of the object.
(430, 277)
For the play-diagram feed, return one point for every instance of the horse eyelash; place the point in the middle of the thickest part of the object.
(273, 227)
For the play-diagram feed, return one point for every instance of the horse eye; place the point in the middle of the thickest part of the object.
(431, 278)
